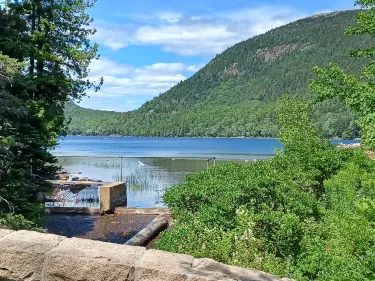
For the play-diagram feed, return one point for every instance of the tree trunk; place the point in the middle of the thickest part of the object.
(149, 232)
(32, 56)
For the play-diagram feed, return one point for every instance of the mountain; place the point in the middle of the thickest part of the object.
(235, 93)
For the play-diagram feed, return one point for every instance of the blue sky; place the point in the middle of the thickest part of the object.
(147, 46)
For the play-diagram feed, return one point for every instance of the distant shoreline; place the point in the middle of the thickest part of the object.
(176, 137)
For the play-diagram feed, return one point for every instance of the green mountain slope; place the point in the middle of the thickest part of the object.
(234, 95)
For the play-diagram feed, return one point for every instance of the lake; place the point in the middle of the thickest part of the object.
(149, 166)
(165, 147)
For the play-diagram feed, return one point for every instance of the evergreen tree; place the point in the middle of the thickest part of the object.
(51, 39)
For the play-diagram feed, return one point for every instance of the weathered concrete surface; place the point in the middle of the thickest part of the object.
(70, 210)
(112, 195)
(29, 256)
(77, 183)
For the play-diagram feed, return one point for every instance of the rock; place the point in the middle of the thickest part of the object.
(31, 256)
(160, 265)
(63, 176)
(210, 270)
(22, 254)
(80, 259)
(4, 232)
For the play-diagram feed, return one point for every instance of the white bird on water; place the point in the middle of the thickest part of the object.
(141, 164)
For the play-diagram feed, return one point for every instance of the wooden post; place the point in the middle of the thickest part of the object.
(121, 168)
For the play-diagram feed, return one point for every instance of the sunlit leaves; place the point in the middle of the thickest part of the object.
(358, 93)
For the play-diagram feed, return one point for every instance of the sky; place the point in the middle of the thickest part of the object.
(148, 46)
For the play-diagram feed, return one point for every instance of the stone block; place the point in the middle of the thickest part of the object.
(159, 265)
(4, 232)
(81, 259)
(22, 254)
(112, 195)
(210, 270)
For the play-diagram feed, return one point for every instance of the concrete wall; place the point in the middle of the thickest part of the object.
(112, 195)
(71, 210)
(29, 256)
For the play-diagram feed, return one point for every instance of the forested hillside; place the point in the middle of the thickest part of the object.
(235, 94)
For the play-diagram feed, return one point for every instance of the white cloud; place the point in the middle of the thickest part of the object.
(196, 34)
(169, 17)
(112, 36)
(193, 39)
(150, 80)
(108, 67)
(162, 68)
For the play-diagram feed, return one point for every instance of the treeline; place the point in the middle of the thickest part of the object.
(235, 94)
(251, 119)
(44, 57)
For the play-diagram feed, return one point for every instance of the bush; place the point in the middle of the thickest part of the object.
(307, 214)
(16, 222)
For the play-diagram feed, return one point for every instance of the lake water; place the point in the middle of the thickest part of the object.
(149, 166)
(165, 147)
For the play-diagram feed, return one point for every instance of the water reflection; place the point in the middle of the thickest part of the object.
(71, 196)
(146, 178)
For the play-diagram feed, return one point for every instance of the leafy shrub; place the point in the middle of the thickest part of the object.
(16, 222)
(296, 215)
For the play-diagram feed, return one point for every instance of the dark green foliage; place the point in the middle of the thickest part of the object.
(49, 41)
(296, 215)
(19, 143)
(236, 93)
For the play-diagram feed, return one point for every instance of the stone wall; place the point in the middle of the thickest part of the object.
(29, 256)
(112, 195)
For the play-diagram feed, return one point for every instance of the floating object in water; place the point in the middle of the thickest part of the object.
(141, 164)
